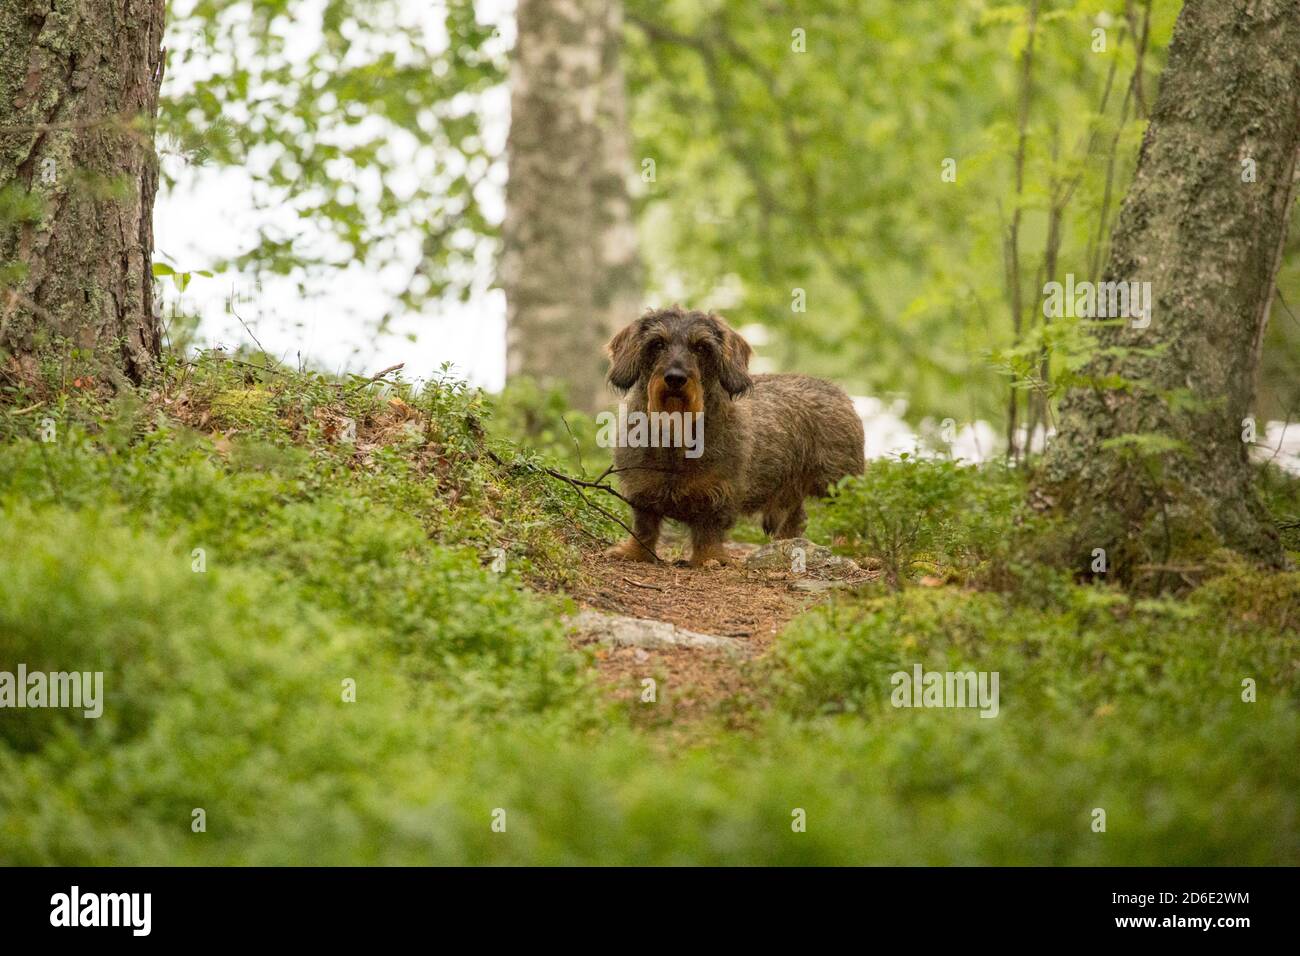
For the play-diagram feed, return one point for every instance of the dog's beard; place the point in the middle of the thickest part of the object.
(662, 399)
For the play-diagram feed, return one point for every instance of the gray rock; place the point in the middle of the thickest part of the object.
(623, 631)
(818, 561)
(816, 585)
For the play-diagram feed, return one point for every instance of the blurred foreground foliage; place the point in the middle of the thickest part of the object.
(347, 530)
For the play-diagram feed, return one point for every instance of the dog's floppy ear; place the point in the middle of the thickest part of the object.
(733, 369)
(624, 358)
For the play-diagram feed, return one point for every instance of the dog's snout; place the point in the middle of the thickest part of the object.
(674, 378)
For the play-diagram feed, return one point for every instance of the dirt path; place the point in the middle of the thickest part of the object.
(745, 605)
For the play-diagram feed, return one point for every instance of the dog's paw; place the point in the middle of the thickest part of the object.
(630, 550)
(713, 558)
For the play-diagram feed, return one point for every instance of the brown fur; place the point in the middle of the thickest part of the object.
(770, 441)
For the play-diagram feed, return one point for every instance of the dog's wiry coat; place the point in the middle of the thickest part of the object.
(770, 441)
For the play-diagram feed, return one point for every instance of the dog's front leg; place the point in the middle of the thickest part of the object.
(640, 547)
(706, 543)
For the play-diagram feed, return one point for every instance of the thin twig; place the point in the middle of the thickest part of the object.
(248, 330)
(377, 376)
(578, 484)
(576, 447)
(642, 584)
(583, 483)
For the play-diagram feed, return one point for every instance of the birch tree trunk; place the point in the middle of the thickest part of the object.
(1158, 472)
(78, 96)
(569, 265)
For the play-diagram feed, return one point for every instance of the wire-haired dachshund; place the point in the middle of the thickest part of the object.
(769, 441)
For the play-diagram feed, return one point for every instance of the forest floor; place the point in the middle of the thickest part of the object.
(277, 569)
(748, 607)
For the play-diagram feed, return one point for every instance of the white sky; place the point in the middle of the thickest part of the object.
(210, 215)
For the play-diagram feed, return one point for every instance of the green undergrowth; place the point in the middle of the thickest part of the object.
(301, 636)
(980, 526)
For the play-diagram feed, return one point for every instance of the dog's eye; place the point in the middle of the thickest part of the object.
(700, 348)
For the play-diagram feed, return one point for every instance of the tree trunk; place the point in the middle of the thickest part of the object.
(1208, 240)
(569, 264)
(78, 172)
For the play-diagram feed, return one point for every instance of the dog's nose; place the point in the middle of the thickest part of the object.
(674, 378)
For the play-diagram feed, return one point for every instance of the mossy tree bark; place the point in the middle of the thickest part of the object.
(1158, 473)
(569, 265)
(78, 97)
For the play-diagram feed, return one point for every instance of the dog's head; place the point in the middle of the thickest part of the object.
(679, 357)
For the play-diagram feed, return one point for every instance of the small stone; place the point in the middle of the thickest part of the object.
(817, 561)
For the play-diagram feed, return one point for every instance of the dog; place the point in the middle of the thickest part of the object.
(769, 441)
